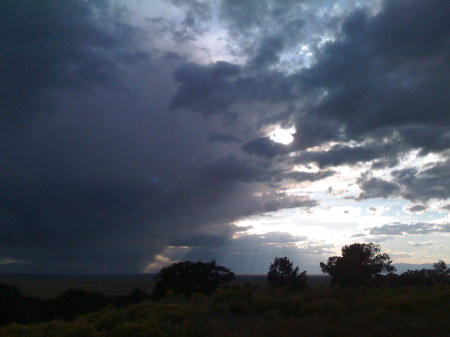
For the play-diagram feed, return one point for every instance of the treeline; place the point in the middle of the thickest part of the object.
(440, 274)
(15, 307)
(361, 264)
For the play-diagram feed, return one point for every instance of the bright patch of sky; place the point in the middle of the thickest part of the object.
(282, 135)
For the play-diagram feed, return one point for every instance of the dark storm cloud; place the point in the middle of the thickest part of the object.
(384, 76)
(399, 228)
(49, 45)
(223, 137)
(234, 169)
(376, 188)
(389, 70)
(266, 147)
(205, 89)
(432, 182)
(194, 23)
(309, 176)
(97, 176)
(213, 88)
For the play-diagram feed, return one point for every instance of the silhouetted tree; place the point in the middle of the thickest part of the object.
(440, 273)
(74, 302)
(10, 297)
(282, 274)
(359, 264)
(191, 277)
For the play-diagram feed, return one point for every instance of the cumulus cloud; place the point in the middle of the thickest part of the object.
(410, 183)
(376, 188)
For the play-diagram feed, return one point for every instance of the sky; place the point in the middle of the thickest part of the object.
(138, 133)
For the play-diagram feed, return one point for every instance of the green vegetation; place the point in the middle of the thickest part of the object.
(242, 311)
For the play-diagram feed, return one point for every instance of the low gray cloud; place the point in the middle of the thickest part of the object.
(399, 228)
(359, 235)
(376, 188)
(432, 182)
(422, 244)
(417, 208)
(299, 176)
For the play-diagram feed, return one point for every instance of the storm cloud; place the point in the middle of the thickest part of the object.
(124, 135)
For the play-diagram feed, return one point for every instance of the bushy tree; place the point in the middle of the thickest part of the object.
(282, 274)
(191, 277)
(359, 264)
(440, 273)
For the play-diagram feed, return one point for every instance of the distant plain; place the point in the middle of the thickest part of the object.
(48, 286)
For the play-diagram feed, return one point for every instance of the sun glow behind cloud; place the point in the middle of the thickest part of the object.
(282, 136)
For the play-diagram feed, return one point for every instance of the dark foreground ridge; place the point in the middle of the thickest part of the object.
(270, 312)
